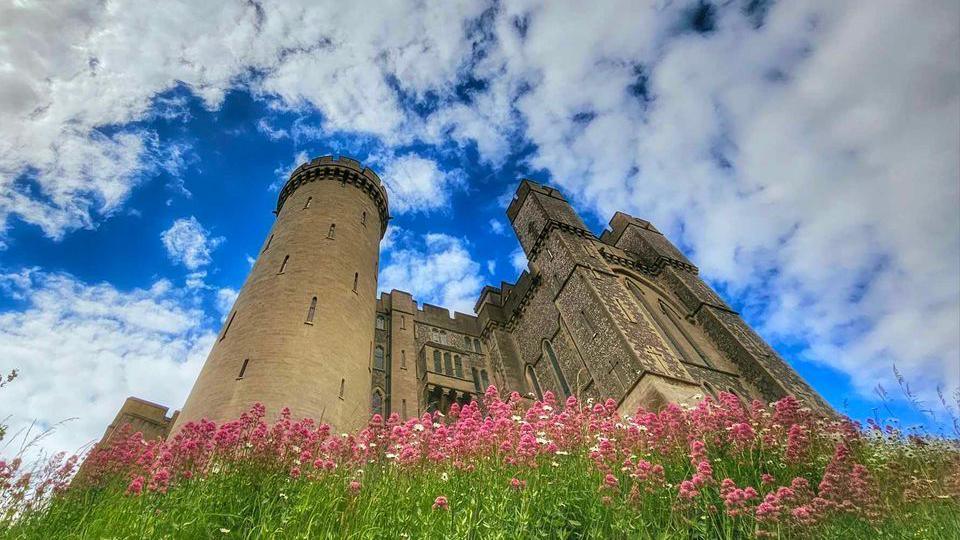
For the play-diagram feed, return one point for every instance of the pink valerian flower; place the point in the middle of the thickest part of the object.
(440, 503)
(295, 472)
(797, 444)
(518, 484)
(354, 486)
(610, 482)
(736, 500)
(688, 490)
(136, 486)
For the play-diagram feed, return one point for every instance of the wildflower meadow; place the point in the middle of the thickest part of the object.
(504, 468)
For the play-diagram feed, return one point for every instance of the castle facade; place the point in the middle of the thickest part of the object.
(623, 315)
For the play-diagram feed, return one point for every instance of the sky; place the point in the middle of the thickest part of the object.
(805, 155)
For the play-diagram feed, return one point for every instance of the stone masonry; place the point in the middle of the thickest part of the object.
(622, 315)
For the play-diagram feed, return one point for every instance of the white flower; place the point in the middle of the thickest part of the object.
(516, 418)
(283, 496)
(436, 425)
(418, 427)
(224, 531)
(445, 477)
(562, 453)
(554, 463)
(390, 456)
(296, 449)
(547, 408)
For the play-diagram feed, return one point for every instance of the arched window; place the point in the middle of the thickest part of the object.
(307, 204)
(312, 311)
(476, 345)
(710, 390)
(376, 404)
(332, 231)
(363, 218)
(266, 247)
(476, 380)
(485, 379)
(532, 383)
(678, 326)
(670, 327)
(552, 357)
(447, 364)
(437, 363)
(356, 277)
(378, 362)
(380, 322)
(458, 366)
(283, 265)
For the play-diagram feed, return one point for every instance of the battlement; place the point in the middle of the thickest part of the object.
(344, 169)
(526, 187)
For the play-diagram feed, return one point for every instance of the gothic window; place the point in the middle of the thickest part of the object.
(447, 364)
(227, 328)
(380, 322)
(266, 247)
(376, 404)
(307, 204)
(243, 368)
(378, 362)
(356, 277)
(363, 218)
(342, 382)
(458, 365)
(332, 231)
(485, 378)
(532, 383)
(678, 326)
(670, 328)
(312, 311)
(437, 363)
(476, 345)
(476, 380)
(552, 357)
(403, 408)
(283, 265)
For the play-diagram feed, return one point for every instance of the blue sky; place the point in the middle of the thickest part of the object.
(804, 156)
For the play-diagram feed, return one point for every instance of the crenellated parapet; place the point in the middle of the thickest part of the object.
(342, 169)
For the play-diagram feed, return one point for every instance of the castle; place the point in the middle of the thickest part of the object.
(622, 315)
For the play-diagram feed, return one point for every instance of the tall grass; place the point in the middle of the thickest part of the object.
(722, 469)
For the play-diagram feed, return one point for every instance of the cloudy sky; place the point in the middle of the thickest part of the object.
(804, 155)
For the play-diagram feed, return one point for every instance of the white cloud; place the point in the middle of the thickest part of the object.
(81, 349)
(811, 163)
(190, 244)
(74, 67)
(496, 226)
(518, 259)
(417, 184)
(439, 270)
(225, 299)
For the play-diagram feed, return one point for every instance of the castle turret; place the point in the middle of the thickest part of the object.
(301, 332)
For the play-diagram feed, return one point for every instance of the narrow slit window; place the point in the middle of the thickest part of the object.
(403, 322)
(283, 265)
(312, 311)
(533, 384)
(458, 366)
(588, 322)
(403, 359)
(356, 277)
(269, 240)
(485, 378)
(342, 383)
(227, 328)
(363, 218)
(447, 364)
(243, 368)
(307, 204)
(626, 310)
(378, 361)
(403, 408)
(332, 231)
(476, 380)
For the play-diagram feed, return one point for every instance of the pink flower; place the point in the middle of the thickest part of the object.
(610, 481)
(136, 486)
(517, 484)
(440, 503)
(354, 487)
(295, 472)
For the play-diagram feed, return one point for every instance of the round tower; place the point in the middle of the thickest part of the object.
(301, 331)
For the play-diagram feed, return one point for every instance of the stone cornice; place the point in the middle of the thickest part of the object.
(344, 170)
